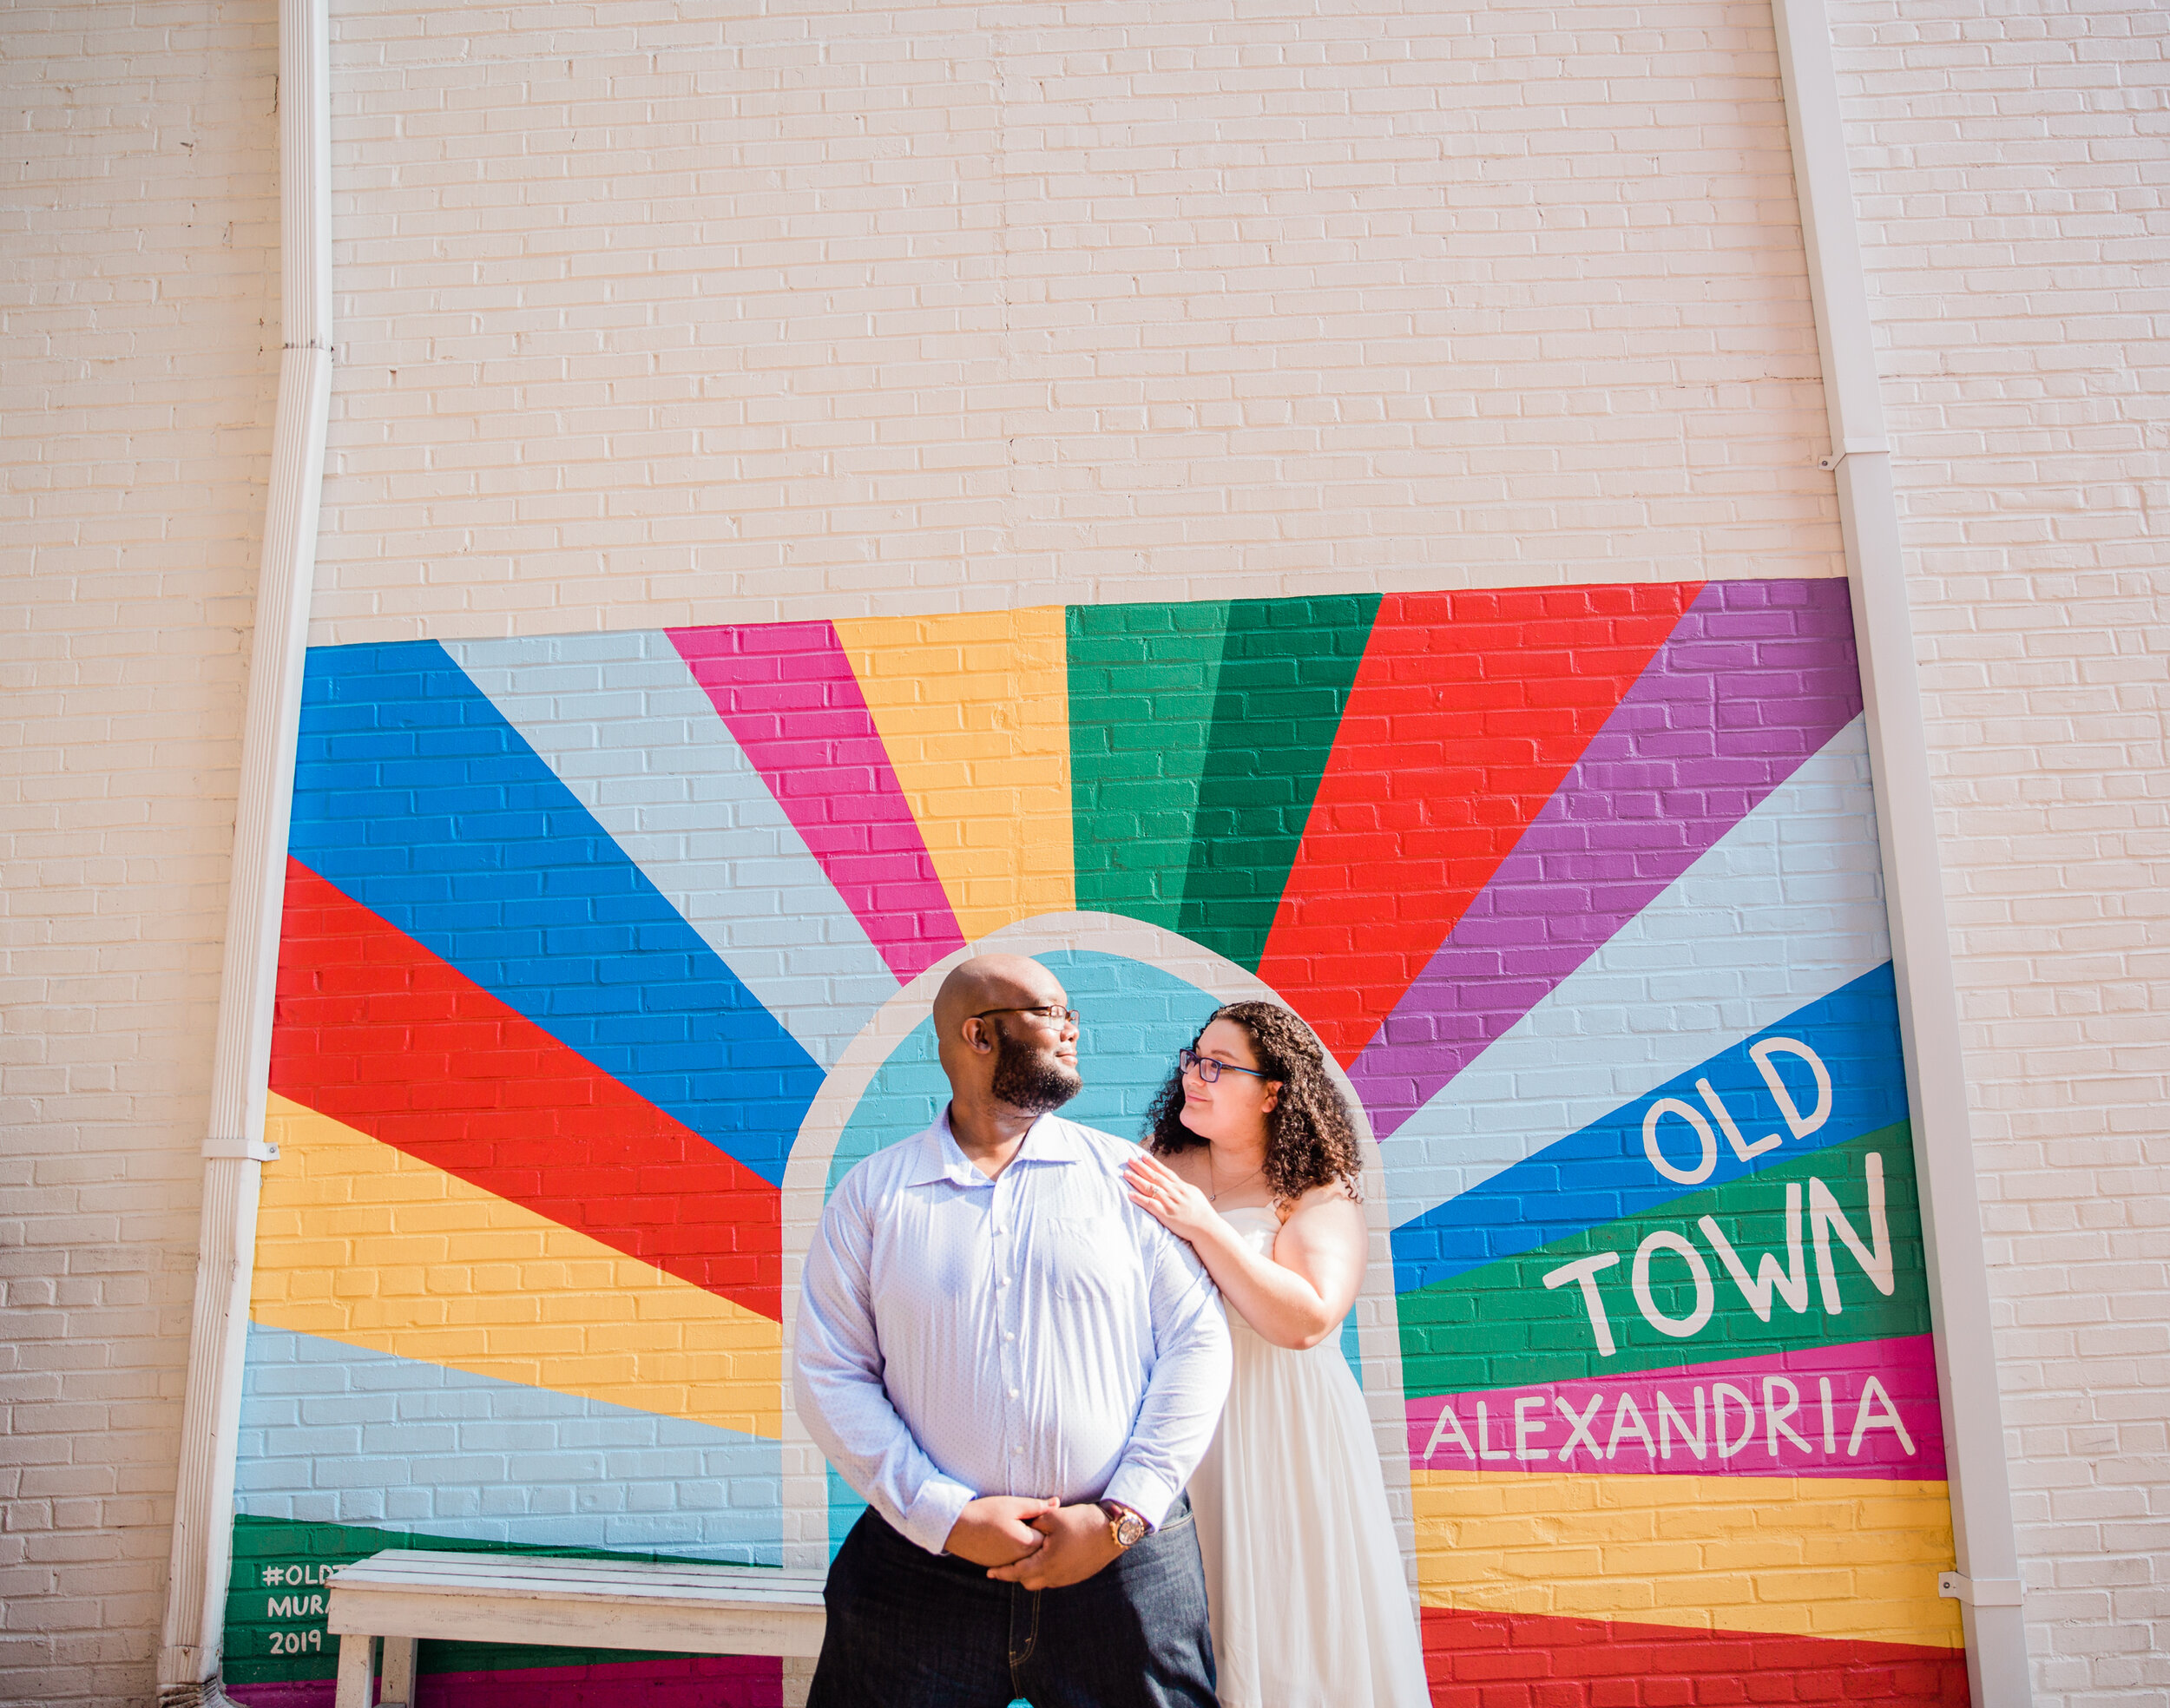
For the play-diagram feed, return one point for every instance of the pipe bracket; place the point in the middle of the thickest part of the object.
(242, 1150)
(1978, 1591)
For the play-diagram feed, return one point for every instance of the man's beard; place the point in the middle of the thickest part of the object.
(1032, 1080)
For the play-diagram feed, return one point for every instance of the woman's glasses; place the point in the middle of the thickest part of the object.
(1209, 1070)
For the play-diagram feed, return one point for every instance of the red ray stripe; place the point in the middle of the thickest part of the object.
(1527, 1660)
(1468, 710)
(376, 1032)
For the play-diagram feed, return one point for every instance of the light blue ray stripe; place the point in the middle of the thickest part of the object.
(332, 1434)
(622, 722)
(1784, 910)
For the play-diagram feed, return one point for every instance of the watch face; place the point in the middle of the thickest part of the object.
(1130, 1529)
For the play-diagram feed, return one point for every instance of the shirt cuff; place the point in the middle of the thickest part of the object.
(933, 1514)
(1141, 1491)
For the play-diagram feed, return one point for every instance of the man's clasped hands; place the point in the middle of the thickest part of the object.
(1038, 1543)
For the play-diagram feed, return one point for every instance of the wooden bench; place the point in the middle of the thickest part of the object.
(403, 1595)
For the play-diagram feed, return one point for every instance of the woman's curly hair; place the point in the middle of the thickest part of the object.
(1310, 1139)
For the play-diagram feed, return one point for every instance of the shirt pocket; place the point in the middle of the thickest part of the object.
(1086, 1259)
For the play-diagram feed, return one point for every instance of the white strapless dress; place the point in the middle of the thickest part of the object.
(1304, 1578)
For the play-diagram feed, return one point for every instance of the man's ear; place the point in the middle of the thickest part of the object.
(980, 1045)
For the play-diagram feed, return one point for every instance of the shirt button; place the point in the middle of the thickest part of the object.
(1010, 1337)
(1004, 1282)
(1013, 1393)
(1016, 1453)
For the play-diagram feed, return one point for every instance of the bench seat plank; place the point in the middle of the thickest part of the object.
(631, 1604)
(400, 1568)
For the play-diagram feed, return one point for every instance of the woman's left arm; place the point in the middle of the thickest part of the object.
(1296, 1297)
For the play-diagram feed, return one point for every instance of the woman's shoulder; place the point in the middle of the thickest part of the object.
(1324, 1204)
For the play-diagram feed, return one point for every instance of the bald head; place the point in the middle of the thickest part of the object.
(992, 982)
(1013, 1059)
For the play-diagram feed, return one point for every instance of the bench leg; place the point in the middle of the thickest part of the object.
(396, 1686)
(355, 1670)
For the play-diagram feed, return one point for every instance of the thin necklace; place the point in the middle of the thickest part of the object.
(1213, 1195)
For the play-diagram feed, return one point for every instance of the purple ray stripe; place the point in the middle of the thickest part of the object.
(786, 691)
(1756, 676)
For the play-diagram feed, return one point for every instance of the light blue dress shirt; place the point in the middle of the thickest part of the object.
(1037, 1334)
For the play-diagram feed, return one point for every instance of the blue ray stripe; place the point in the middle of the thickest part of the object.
(414, 796)
(1604, 1172)
(622, 722)
(333, 1433)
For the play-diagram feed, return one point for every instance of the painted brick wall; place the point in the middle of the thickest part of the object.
(563, 985)
(2011, 165)
(138, 353)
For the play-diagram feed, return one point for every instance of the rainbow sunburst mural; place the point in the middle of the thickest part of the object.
(602, 951)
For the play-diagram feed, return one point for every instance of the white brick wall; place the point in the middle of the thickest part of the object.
(2012, 165)
(677, 313)
(700, 313)
(138, 269)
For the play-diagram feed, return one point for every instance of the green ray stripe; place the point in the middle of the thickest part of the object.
(1287, 668)
(1501, 1327)
(301, 1554)
(1142, 681)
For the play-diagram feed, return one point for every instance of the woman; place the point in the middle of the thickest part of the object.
(1254, 1162)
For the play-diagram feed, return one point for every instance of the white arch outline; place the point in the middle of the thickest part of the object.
(806, 1487)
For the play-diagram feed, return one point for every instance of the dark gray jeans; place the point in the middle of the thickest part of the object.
(909, 1629)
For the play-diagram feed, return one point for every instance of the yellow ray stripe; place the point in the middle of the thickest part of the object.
(360, 1243)
(975, 712)
(1839, 1557)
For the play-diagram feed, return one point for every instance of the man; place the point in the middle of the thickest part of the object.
(1019, 1370)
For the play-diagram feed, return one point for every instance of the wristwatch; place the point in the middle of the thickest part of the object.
(1125, 1528)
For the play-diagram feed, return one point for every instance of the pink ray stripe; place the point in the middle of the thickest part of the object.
(786, 691)
(1483, 1435)
(680, 1681)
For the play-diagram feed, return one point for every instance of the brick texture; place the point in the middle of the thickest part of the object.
(138, 356)
(684, 313)
(681, 313)
(2010, 165)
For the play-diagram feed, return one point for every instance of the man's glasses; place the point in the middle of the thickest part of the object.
(1053, 1012)
(1209, 1070)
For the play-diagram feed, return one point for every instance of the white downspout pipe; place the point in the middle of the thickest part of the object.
(1987, 1581)
(235, 1151)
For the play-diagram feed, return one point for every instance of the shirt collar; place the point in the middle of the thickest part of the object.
(1049, 1139)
